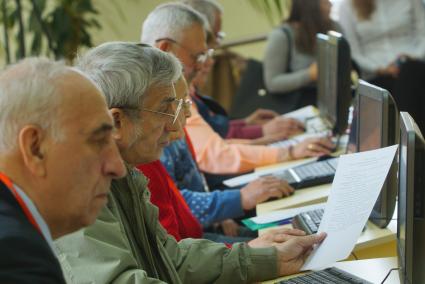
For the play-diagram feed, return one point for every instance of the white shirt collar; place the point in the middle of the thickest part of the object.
(38, 218)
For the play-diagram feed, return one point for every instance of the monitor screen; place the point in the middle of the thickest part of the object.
(334, 81)
(370, 122)
(411, 203)
(377, 120)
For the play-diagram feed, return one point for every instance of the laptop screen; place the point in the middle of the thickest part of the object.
(370, 122)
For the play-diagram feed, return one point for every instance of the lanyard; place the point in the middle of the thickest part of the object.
(24, 207)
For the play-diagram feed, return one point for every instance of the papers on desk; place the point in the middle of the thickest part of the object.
(302, 114)
(279, 217)
(247, 178)
(294, 140)
(358, 180)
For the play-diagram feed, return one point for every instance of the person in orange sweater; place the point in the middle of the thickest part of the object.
(215, 154)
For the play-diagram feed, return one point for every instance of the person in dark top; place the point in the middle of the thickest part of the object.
(55, 166)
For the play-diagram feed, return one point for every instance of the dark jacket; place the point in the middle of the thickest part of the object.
(25, 256)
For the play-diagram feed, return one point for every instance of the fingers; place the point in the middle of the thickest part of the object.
(277, 187)
(295, 124)
(316, 147)
(324, 142)
(266, 113)
(317, 150)
(307, 242)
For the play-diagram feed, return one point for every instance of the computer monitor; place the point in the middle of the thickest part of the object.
(411, 217)
(334, 79)
(376, 122)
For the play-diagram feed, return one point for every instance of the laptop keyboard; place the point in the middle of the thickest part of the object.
(326, 276)
(308, 221)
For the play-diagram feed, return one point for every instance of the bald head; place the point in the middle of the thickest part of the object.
(56, 142)
(29, 94)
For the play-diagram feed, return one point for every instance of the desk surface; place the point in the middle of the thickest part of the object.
(373, 270)
(301, 197)
(372, 236)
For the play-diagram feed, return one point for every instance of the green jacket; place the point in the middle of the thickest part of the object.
(127, 244)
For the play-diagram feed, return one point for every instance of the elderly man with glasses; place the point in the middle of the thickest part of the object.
(187, 30)
(126, 244)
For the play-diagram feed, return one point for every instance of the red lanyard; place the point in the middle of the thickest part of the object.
(20, 201)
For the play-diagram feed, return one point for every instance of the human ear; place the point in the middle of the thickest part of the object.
(33, 147)
(163, 45)
(121, 123)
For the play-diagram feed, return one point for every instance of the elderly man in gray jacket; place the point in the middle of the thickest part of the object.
(127, 244)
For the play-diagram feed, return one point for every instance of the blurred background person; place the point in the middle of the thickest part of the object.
(290, 67)
(387, 40)
(262, 126)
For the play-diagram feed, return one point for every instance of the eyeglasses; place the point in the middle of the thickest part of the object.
(220, 36)
(176, 113)
(187, 103)
(198, 58)
(174, 116)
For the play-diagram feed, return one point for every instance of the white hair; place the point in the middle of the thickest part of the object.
(170, 21)
(124, 71)
(208, 8)
(30, 94)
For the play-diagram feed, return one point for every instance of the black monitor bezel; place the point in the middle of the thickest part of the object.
(411, 258)
(334, 43)
(382, 215)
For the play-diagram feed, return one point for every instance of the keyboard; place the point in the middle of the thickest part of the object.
(310, 174)
(308, 221)
(316, 124)
(326, 276)
(316, 169)
(294, 140)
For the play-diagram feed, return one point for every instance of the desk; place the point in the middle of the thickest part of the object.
(373, 270)
(283, 165)
(301, 197)
(373, 242)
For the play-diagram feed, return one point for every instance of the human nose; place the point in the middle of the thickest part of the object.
(172, 125)
(114, 165)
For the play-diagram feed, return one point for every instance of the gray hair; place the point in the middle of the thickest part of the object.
(124, 71)
(208, 8)
(169, 21)
(30, 94)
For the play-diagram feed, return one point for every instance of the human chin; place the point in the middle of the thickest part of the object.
(98, 202)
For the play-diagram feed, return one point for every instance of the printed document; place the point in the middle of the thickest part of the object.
(358, 180)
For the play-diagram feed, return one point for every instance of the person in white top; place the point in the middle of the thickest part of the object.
(387, 40)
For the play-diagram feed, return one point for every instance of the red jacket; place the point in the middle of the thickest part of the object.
(174, 214)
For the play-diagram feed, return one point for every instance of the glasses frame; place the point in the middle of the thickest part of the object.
(178, 109)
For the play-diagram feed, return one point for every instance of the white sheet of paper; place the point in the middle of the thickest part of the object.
(298, 138)
(303, 113)
(247, 178)
(285, 214)
(358, 180)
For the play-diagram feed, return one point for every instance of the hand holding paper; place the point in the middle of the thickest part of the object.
(357, 183)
